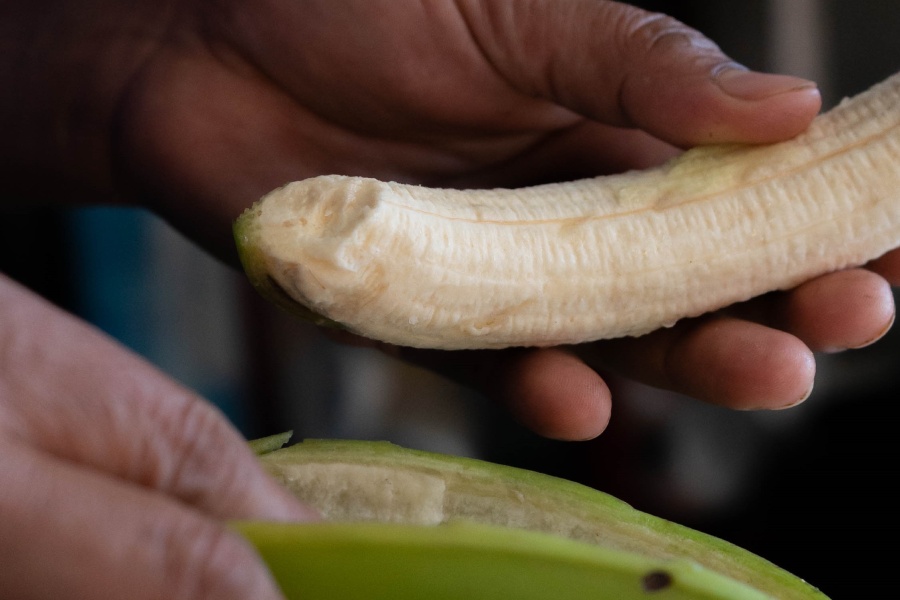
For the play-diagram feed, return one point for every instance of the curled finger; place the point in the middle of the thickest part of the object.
(549, 390)
(719, 359)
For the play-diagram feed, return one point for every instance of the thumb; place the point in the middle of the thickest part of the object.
(624, 66)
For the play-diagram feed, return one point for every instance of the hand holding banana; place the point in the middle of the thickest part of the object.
(196, 109)
(559, 264)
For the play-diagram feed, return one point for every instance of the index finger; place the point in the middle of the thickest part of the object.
(74, 393)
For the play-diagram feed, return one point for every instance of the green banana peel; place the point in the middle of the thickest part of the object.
(378, 561)
(409, 524)
(270, 443)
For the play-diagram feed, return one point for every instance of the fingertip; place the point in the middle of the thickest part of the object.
(880, 333)
(721, 360)
(725, 106)
(752, 86)
(746, 366)
(548, 390)
(555, 394)
(689, 93)
(844, 310)
(791, 380)
(767, 107)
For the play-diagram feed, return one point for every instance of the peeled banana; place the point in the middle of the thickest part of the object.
(404, 524)
(607, 257)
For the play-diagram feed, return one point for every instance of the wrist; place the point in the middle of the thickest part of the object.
(66, 66)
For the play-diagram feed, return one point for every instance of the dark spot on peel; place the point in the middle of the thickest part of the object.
(656, 581)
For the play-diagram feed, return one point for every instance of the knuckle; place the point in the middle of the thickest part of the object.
(658, 34)
(204, 462)
(196, 433)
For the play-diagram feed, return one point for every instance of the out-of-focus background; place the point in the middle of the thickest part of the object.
(812, 488)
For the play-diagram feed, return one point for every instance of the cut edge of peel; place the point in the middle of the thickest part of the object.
(270, 443)
(246, 232)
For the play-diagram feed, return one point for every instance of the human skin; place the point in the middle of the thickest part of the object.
(115, 481)
(195, 109)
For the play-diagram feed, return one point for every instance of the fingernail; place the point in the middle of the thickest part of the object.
(796, 402)
(753, 86)
(785, 406)
(868, 342)
(878, 336)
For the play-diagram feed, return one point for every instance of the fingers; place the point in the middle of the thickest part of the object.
(623, 66)
(115, 413)
(552, 392)
(549, 390)
(115, 482)
(840, 311)
(760, 354)
(71, 532)
(721, 360)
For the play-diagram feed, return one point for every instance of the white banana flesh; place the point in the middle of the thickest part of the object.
(598, 258)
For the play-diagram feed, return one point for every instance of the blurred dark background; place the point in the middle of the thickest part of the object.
(812, 488)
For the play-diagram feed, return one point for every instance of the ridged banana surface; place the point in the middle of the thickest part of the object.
(598, 258)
